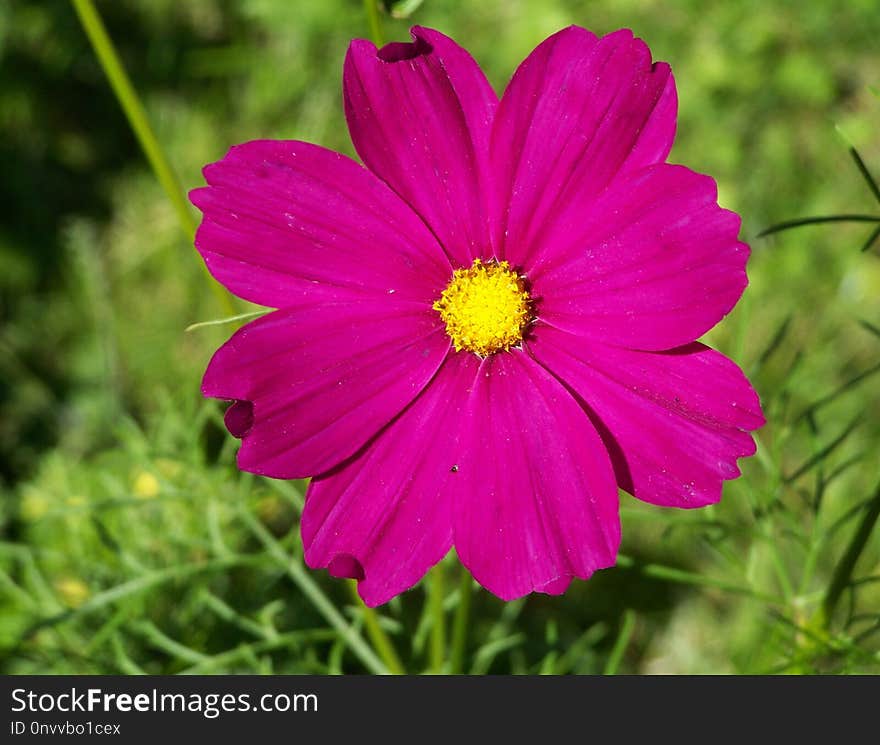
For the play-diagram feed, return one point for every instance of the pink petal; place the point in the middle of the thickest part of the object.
(651, 264)
(535, 495)
(288, 223)
(420, 117)
(578, 111)
(555, 587)
(322, 379)
(674, 422)
(385, 516)
(239, 418)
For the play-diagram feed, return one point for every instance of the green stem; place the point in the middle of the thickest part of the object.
(875, 234)
(866, 174)
(371, 8)
(381, 643)
(789, 224)
(621, 643)
(219, 661)
(231, 319)
(779, 567)
(164, 643)
(842, 574)
(436, 596)
(460, 623)
(313, 593)
(140, 124)
(136, 586)
(689, 578)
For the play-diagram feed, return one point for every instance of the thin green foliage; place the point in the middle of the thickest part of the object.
(131, 543)
(140, 124)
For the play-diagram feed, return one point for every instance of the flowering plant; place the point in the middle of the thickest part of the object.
(492, 326)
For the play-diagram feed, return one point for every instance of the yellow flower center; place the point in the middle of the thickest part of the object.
(485, 307)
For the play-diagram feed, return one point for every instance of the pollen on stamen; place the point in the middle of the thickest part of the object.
(486, 308)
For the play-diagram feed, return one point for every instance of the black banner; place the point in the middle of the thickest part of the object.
(230, 709)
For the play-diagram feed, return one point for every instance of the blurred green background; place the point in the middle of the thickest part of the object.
(130, 543)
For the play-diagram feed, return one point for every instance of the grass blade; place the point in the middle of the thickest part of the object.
(871, 238)
(863, 169)
(819, 457)
(840, 580)
(789, 224)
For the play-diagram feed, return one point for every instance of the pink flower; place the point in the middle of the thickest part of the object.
(490, 328)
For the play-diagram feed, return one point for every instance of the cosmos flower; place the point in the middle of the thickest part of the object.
(490, 326)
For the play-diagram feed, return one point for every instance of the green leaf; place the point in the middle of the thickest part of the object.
(230, 319)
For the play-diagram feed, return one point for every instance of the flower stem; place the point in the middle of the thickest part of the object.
(381, 643)
(460, 623)
(627, 627)
(140, 125)
(371, 8)
(843, 573)
(436, 596)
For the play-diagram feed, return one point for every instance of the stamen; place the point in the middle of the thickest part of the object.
(485, 307)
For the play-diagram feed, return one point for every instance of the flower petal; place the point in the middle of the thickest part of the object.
(675, 422)
(288, 223)
(535, 497)
(385, 516)
(420, 116)
(651, 264)
(578, 111)
(322, 380)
